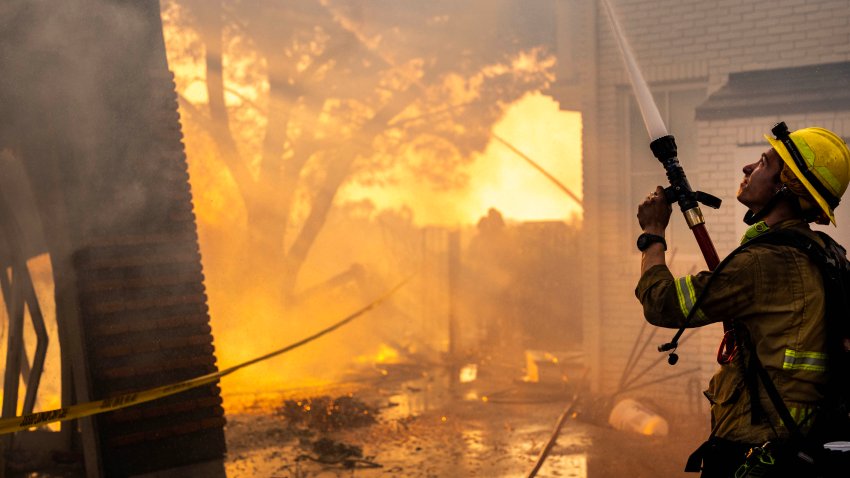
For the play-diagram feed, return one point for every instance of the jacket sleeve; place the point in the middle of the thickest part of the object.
(667, 300)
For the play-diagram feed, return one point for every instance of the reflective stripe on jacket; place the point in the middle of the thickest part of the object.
(776, 294)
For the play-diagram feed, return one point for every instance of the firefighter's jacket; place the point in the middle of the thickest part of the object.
(774, 293)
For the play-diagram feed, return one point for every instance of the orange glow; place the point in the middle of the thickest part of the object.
(263, 332)
(498, 177)
(249, 320)
(49, 388)
(385, 354)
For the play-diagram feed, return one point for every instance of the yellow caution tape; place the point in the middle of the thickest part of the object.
(15, 424)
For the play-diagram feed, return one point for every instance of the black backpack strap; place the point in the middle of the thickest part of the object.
(751, 378)
(789, 237)
(778, 403)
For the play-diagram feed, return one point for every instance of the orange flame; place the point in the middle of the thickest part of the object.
(499, 178)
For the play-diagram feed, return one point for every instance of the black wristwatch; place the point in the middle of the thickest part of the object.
(646, 239)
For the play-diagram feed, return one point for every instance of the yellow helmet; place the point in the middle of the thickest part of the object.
(819, 158)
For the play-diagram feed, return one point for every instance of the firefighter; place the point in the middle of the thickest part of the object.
(773, 294)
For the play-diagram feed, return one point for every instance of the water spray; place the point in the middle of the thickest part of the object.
(663, 147)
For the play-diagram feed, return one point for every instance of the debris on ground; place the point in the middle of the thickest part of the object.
(326, 414)
(436, 431)
(330, 452)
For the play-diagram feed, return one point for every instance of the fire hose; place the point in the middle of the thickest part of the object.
(568, 412)
(663, 147)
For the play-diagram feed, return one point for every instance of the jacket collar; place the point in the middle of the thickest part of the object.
(761, 227)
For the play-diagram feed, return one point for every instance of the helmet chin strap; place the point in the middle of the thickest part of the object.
(751, 217)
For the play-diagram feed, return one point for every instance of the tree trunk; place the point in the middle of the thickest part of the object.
(337, 173)
(319, 209)
(210, 28)
(266, 211)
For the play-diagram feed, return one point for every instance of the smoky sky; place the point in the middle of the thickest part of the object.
(74, 75)
(480, 27)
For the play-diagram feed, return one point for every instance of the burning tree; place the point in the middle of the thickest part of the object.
(302, 97)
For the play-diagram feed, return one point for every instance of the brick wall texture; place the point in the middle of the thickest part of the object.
(698, 43)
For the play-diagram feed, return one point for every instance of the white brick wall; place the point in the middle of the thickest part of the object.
(676, 41)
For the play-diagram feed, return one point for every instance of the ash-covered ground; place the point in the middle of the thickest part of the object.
(419, 426)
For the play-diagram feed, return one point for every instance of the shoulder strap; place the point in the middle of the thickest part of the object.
(790, 237)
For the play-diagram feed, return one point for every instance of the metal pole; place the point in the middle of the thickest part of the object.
(15, 310)
(453, 275)
(34, 375)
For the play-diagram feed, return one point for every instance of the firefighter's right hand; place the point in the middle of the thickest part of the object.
(654, 212)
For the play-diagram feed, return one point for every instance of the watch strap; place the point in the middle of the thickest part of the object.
(646, 239)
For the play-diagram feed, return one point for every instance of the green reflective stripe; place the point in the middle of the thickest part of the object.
(805, 150)
(827, 176)
(824, 173)
(811, 361)
(687, 296)
(680, 282)
(693, 296)
(799, 414)
(754, 231)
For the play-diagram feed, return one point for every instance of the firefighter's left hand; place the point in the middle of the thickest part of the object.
(654, 212)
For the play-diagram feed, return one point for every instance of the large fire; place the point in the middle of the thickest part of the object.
(499, 178)
(251, 318)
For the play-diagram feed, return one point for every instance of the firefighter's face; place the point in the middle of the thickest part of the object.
(761, 181)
